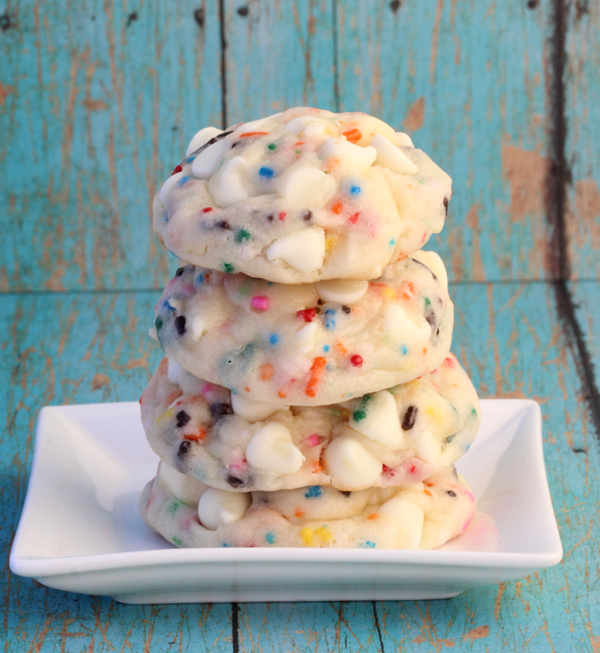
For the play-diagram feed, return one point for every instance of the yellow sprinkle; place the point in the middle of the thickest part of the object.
(307, 536)
(329, 242)
(390, 293)
(434, 412)
(323, 533)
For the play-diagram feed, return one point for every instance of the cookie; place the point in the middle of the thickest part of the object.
(390, 438)
(421, 516)
(301, 196)
(310, 344)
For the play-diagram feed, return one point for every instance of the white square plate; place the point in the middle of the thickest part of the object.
(81, 530)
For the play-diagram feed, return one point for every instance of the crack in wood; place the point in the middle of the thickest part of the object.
(376, 618)
(235, 627)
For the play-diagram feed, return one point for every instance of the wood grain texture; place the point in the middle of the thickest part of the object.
(91, 347)
(79, 348)
(467, 81)
(279, 55)
(582, 95)
(510, 340)
(98, 101)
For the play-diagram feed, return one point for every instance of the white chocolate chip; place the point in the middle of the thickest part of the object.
(306, 336)
(181, 486)
(348, 157)
(232, 184)
(152, 333)
(198, 326)
(403, 140)
(307, 187)
(342, 291)
(409, 516)
(175, 304)
(392, 157)
(219, 507)
(271, 448)
(400, 326)
(434, 263)
(174, 370)
(309, 126)
(351, 464)
(206, 162)
(168, 186)
(253, 411)
(201, 138)
(381, 422)
(303, 250)
(427, 448)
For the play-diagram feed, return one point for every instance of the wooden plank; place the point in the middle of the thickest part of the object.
(76, 349)
(87, 347)
(582, 109)
(97, 104)
(279, 55)
(466, 80)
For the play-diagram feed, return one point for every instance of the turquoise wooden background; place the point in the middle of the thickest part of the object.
(98, 100)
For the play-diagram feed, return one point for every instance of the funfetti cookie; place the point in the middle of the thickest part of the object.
(421, 516)
(309, 344)
(390, 438)
(302, 196)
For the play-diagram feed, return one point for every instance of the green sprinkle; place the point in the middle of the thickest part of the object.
(358, 415)
(242, 235)
(270, 537)
(177, 541)
(427, 302)
(229, 268)
(174, 506)
(420, 181)
(271, 146)
(158, 323)
(474, 412)
(245, 289)
(297, 151)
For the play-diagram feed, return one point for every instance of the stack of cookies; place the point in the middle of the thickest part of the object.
(308, 396)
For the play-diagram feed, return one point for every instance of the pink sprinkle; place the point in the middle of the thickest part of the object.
(206, 388)
(260, 302)
(314, 440)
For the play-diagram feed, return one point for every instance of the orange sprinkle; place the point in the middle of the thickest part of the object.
(353, 135)
(253, 134)
(373, 516)
(266, 371)
(196, 436)
(282, 394)
(298, 512)
(316, 374)
(246, 388)
(317, 468)
(428, 493)
(298, 143)
(337, 208)
(340, 348)
(140, 401)
(429, 484)
(424, 350)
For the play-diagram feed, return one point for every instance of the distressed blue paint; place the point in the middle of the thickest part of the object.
(476, 70)
(582, 108)
(509, 339)
(279, 55)
(96, 108)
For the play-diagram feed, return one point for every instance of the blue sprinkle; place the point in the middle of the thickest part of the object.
(167, 305)
(233, 392)
(271, 283)
(330, 318)
(270, 537)
(274, 339)
(325, 347)
(266, 173)
(393, 241)
(367, 545)
(226, 546)
(355, 190)
(200, 278)
(183, 181)
(189, 159)
(328, 368)
(314, 492)
(404, 350)
(166, 217)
